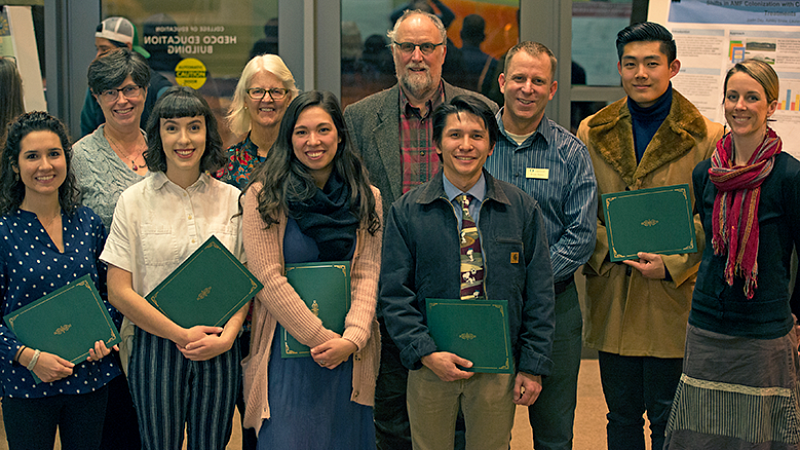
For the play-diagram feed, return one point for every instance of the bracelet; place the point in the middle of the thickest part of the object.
(34, 360)
(19, 352)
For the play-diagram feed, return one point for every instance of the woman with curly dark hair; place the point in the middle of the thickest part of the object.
(158, 223)
(311, 201)
(47, 240)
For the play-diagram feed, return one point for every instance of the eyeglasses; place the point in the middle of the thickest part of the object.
(130, 91)
(275, 94)
(426, 47)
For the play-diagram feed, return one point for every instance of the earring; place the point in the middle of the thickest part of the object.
(245, 107)
(16, 176)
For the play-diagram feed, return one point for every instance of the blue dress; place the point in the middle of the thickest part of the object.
(310, 405)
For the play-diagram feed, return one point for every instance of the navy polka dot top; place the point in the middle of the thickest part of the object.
(31, 266)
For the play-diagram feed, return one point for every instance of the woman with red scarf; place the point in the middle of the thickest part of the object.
(739, 388)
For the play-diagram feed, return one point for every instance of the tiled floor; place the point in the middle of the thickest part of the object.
(590, 418)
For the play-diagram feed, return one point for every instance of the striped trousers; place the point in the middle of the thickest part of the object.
(171, 392)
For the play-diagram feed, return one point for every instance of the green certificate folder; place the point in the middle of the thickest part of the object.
(656, 220)
(325, 288)
(476, 330)
(207, 289)
(66, 322)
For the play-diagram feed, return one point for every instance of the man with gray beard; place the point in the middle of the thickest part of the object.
(393, 131)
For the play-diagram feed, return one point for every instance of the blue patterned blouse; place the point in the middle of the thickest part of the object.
(242, 159)
(31, 266)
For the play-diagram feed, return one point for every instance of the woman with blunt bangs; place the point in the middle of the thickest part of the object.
(179, 378)
(47, 240)
(311, 201)
(265, 89)
(740, 386)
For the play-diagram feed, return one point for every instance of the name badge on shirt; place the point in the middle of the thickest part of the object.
(539, 174)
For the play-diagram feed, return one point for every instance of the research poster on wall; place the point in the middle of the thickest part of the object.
(713, 35)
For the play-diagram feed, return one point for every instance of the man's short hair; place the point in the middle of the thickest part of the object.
(392, 34)
(534, 49)
(647, 32)
(464, 103)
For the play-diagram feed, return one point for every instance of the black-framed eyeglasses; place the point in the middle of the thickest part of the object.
(129, 91)
(426, 47)
(275, 94)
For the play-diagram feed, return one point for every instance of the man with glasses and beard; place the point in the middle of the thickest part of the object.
(393, 131)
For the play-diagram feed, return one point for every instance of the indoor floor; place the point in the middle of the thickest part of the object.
(590, 417)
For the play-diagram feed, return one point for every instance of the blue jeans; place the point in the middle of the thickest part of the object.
(553, 414)
(633, 385)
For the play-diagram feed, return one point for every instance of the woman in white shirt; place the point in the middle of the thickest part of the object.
(178, 377)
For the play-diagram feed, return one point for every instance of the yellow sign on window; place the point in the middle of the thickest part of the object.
(191, 72)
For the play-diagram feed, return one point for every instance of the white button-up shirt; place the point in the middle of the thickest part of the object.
(157, 225)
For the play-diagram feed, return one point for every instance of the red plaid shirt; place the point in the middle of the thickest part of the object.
(418, 160)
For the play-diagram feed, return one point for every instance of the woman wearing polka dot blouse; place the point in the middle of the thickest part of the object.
(47, 240)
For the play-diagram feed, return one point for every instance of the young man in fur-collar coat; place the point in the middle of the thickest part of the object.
(637, 310)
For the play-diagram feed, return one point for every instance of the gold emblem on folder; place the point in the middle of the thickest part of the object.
(649, 222)
(63, 329)
(315, 308)
(204, 293)
(467, 336)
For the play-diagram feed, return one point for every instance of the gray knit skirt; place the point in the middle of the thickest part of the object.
(736, 393)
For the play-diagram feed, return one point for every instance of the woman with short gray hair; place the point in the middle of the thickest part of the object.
(111, 159)
(106, 162)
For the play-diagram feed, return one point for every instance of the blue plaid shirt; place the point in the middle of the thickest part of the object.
(554, 168)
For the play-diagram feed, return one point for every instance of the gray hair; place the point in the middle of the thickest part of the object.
(238, 118)
(408, 13)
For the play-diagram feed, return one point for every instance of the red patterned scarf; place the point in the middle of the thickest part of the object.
(735, 219)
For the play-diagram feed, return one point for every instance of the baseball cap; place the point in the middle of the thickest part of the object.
(120, 29)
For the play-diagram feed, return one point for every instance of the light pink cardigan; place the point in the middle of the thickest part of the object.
(278, 302)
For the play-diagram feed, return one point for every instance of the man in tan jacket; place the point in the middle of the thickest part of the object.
(637, 310)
